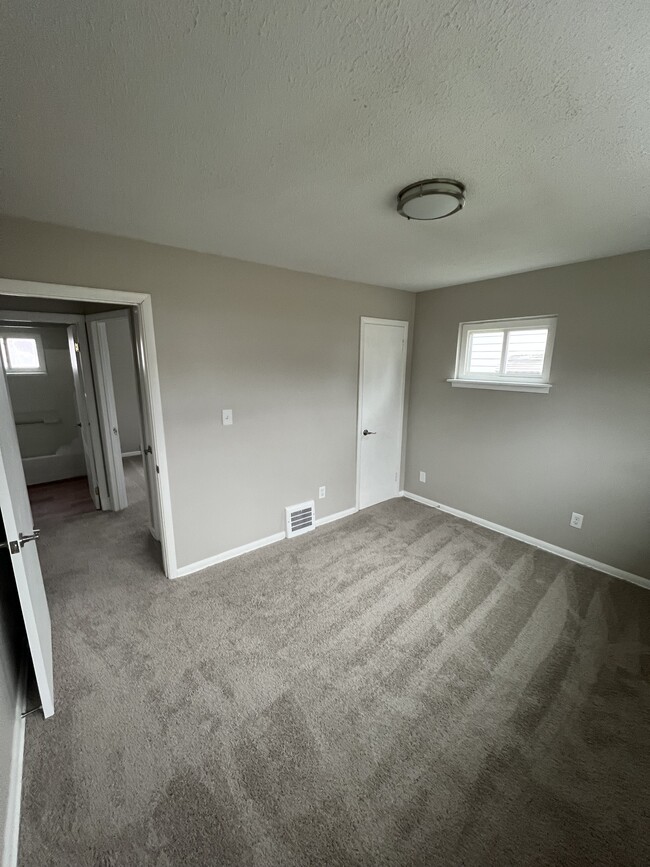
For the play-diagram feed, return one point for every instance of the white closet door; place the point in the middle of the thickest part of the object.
(381, 409)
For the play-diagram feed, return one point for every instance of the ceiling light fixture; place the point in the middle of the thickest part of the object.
(431, 200)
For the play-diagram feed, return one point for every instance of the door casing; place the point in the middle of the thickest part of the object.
(87, 409)
(149, 383)
(101, 360)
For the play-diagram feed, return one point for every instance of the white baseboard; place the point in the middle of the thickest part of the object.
(336, 516)
(228, 555)
(12, 820)
(537, 543)
(252, 546)
(134, 454)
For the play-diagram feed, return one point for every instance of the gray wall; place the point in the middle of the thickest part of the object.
(51, 392)
(120, 347)
(526, 461)
(277, 347)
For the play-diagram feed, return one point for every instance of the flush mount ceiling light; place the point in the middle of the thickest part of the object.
(431, 200)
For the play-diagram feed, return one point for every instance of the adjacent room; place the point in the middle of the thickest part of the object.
(72, 382)
(324, 434)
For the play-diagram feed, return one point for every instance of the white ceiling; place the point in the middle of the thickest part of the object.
(279, 131)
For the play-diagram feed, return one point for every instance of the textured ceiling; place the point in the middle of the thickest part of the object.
(279, 131)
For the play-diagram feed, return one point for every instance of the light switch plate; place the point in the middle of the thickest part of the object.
(226, 416)
(423, 476)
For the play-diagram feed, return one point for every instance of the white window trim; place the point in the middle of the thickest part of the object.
(500, 382)
(534, 388)
(23, 371)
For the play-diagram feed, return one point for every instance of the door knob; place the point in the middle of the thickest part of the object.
(368, 433)
(31, 538)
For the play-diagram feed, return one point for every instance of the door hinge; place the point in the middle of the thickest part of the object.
(13, 547)
(31, 710)
(76, 346)
(97, 489)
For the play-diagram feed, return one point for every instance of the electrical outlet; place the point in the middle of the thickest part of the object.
(226, 416)
(321, 492)
(576, 520)
(423, 476)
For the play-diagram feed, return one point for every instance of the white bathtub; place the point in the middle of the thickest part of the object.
(52, 468)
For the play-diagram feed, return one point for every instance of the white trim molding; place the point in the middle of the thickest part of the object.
(191, 568)
(328, 519)
(12, 819)
(533, 387)
(199, 565)
(29, 288)
(537, 543)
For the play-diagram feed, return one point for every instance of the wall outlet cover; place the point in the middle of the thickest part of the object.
(423, 476)
(321, 492)
(576, 520)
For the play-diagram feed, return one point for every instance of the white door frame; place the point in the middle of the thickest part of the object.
(370, 320)
(146, 453)
(101, 359)
(149, 378)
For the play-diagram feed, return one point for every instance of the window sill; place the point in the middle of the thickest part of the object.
(533, 387)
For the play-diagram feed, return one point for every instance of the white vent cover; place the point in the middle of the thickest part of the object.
(300, 518)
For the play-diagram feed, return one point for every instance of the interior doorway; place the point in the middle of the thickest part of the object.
(88, 460)
(73, 385)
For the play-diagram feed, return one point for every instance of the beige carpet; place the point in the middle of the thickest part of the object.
(397, 688)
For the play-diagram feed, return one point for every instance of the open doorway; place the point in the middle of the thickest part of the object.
(77, 403)
(30, 314)
(111, 344)
(73, 386)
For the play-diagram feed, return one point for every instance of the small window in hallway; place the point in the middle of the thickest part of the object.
(22, 353)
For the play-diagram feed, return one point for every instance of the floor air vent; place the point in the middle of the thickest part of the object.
(300, 518)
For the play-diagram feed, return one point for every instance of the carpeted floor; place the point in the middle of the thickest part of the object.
(397, 688)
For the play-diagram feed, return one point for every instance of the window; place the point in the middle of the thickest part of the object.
(509, 354)
(22, 352)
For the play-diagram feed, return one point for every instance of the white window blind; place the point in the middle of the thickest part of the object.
(484, 352)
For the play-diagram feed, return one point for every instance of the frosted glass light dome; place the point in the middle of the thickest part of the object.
(431, 200)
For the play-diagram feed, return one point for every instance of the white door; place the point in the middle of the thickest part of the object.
(101, 360)
(381, 409)
(91, 443)
(20, 541)
(146, 425)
